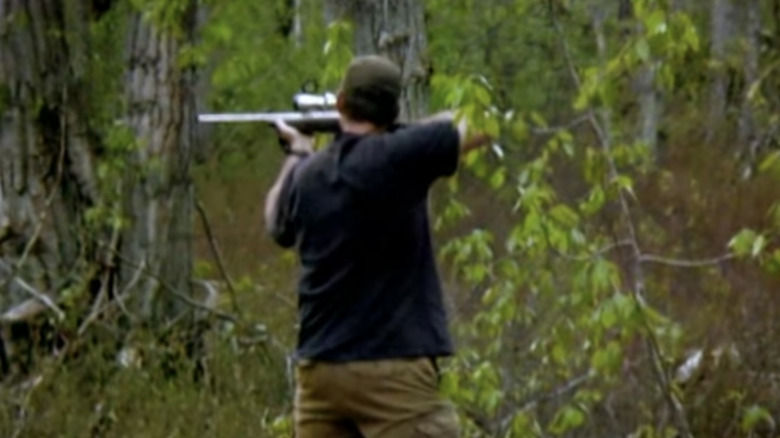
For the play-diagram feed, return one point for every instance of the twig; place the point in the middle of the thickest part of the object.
(40, 296)
(649, 258)
(102, 294)
(534, 400)
(45, 299)
(285, 300)
(555, 129)
(555, 393)
(118, 300)
(598, 252)
(218, 256)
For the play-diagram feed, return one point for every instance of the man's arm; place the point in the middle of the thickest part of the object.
(272, 198)
(468, 138)
(300, 145)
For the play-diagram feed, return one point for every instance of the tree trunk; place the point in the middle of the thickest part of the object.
(750, 18)
(647, 92)
(52, 144)
(47, 180)
(158, 195)
(722, 31)
(395, 29)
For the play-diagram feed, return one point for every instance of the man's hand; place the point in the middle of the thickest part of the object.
(299, 144)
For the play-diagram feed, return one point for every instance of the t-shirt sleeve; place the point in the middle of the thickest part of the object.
(403, 163)
(283, 228)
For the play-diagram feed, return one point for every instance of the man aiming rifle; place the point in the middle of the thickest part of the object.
(372, 319)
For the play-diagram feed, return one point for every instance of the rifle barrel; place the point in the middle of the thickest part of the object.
(294, 117)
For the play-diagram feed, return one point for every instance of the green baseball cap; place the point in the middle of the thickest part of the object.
(372, 87)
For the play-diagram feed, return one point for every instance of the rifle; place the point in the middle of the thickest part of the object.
(312, 113)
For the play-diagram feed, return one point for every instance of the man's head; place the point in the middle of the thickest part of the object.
(370, 91)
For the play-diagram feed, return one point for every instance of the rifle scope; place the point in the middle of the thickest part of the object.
(314, 102)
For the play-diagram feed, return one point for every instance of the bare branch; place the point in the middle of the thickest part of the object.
(556, 129)
(597, 253)
(118, 300)
(40, 296)
(217, 255)
(649, 258)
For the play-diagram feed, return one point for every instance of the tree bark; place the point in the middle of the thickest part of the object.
(158, 196)
(395, 29)
(46, 146)
(52, 143)
(750, 18)
(722, 32)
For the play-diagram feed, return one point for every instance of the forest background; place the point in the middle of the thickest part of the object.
(611, 264)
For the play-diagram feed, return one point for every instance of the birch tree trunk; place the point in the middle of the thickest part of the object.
(395, 29)
(158, 198)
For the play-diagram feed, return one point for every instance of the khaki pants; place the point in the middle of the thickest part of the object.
(371, 399)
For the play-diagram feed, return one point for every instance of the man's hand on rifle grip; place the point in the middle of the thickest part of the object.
(292, 140)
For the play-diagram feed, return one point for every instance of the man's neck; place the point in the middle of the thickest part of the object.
(358, 128)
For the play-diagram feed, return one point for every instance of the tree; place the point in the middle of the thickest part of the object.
(80, 223)
(47, 149)
(158, 193)
(395, 29)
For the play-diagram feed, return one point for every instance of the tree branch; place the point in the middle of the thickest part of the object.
(555, 129)
(649, 258)
(40, 296)
(218, 256)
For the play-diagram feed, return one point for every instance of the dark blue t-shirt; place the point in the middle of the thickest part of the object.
(357, 211)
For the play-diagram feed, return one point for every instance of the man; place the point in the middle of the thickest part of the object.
(372, 320)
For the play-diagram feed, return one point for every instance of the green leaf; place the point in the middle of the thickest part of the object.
(608, 316)
(539, 120)
(559, 354)
(743, 242)
(656, 22)
(758, 246)
(773, 263)
(608, 358)
(624, 182)
(642, 50)
(594, 202)
(564, 215)
(519, 129)
(498, 178)
(753, 416)
(492, 127)
(567, 418)
(771, 162)
(691, 36)
(604, 275)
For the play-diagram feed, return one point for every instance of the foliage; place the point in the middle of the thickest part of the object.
(564, 310)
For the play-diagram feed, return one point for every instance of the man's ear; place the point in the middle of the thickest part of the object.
(340, 105)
